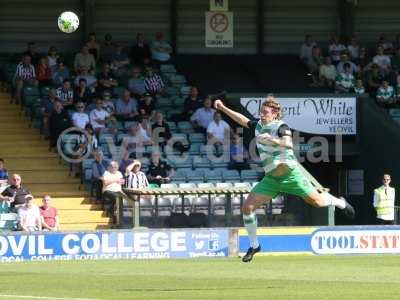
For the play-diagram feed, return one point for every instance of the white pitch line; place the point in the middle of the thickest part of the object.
(42, 297)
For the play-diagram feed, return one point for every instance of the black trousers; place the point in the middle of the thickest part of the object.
(384, 222)
(109, 198)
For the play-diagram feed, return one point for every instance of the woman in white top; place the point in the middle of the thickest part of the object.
(112, 186)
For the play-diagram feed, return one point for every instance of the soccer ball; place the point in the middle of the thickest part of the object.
(68, 22)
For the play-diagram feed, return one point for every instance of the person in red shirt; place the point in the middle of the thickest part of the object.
(49, 215)
(43, 72)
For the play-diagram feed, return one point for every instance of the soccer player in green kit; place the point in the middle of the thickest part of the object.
(282, 173)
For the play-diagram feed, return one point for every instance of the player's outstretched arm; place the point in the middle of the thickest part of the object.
(235, 116)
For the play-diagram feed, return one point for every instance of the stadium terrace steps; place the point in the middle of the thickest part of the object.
(27, 154)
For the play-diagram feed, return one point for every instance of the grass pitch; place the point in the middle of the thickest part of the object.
(283, 277)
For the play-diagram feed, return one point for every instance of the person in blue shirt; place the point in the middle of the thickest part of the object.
(3, 173)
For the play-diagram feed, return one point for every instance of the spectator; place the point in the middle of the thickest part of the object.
(29, 216)
(5, 205)
(61, 72)
(79, 118)
(43, 72)
(99, 166)
(137, 139)
(218, 130)
(385, 94)
(85, 60)
(136, 83)
(146, 106)
(359, 87)
(335, 50)
(382, 60)
(354, 50)
(107, 48)
(93, 46)
(136, 179)
(24, 76)
(82, 92)
(385, 44)
(160, 49)
(140, 53)
(153, 82)
(306, 49)
(192, 103)
(314, 63)
(364, 61)
(203, 116)
(384, 202)
(31, 51)
(83, 142)
(374, 79)
(108, 103)
(91, 80)
(15, 193)
(344, 81)
(46, 108)
(3, 173)
(327, 73)
(119, 61)
(112, 186)
(49, 215)
(106, 80)
(52, 58)
(125, 162)
(65, 93)
(59, 120)
(98, 117)
(395, 61)
(344, 59)
(239, 155)
(159, 171)
(160, 131)
(126, 108)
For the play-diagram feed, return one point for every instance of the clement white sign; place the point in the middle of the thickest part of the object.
(318, 115)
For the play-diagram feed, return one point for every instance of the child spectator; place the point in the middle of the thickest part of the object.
(238, 154)
(359, 87)
(344, 81)
(385, 94)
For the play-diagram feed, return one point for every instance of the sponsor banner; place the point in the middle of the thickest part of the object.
(316, 115)
(219, 30)
(122, 244)
(326, 240)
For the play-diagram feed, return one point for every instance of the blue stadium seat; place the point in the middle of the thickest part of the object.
(185, 127)
(187, 199)
(195, 175)
(231, 176)
(214, 175)
(197, 138)
(249, 175)
(201, 162)
(194, 149)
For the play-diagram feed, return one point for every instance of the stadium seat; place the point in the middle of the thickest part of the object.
(194, 149)
(172, 126)
(202, 202)
(197, 138)
(248, 175)
(207, 150)
(185, 91)
(164, 102)
(214, 175)
(180, 175)
(172, 91)
(236, 198)
(172, 112)
(195, 175)
(219, 201)
(180, 162)
(146, 206)
(178, 101)
(118, 90)
(185, 127)
(231, 175)
(167, 68)
(201, 162)
(106, 138)
(165, 202)
(187, 199)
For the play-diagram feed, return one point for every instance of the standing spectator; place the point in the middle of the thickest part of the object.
(107, 48)
(344, 81)
(136, 179)
(93, 46)
(43, 72)
(136, 83)
(385, 44)
(65, 93)
(126, 108)
(385, 94)
(52, 58)
(31, 51)
(106, 80)
(314, 64)
(306, 49)
(203, 116)
(160, 131)
(160, 49)
(335, 50)
(147, 107)
(354, 50)
(140, 53)
(125, 162)
(91, 80)
(79, 118)
(29, 216)
(119, 61)
(15, 193)
(359, 87)
(239, 155)
(25, 75)
(60, 73)
(112, 185)
(344, 59)
(384, 200)
(58, 121)
(98, 117)
(159, 171)
(383, 61)
(49, 215)
(153, 82)
(192, 103)
(3, 173)
(85, 60)
(82, 92)
(327, 73)
(99, 166)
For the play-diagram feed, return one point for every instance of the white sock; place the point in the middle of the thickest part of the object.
(332, 200)
(250, 222)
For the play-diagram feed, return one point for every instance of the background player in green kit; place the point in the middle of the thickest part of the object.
(282, 172)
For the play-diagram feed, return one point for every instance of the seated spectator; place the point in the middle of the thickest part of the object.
(364, 62)
(327, 73)
(46, 108)
(3, 173)
(395, 61)
(5, 205)
(99, 166)
(386, 44)
(125, 162)
(31, 51)
(335, 50)
(126, 108)
(24, 76)
(374, 79)
(159, 171)
(84, 60)
(15, 193)
(354, 50)
(385, 94)
(107, 48)
(203, 116)
(306, 49)
(314, 63)
(106, 80)
(153, 82)
(192, 103)
(60, 73)
(383, 61)
(98, 117)
(239, 155)
(112, 180)
(119, 61)
(52, 58)
(136, 83)
(160, 49)
(136, 179)
(49, 215)
(83, 140)
(140, 53)
(91, 80)
(344, 59)
(65, 93)
(218, 131)
(344, 81)
(147, 107)
(359, 87)
(136, 140)
(79, 118)
(160, 131)
(93, 46)
(144, 127)
(43, 72)
(59, 120)
(108, 103)
(82, 92)
(29, 218)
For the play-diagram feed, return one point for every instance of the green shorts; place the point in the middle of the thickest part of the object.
(293, 183)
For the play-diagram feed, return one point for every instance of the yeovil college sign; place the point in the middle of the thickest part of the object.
(317, 115)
